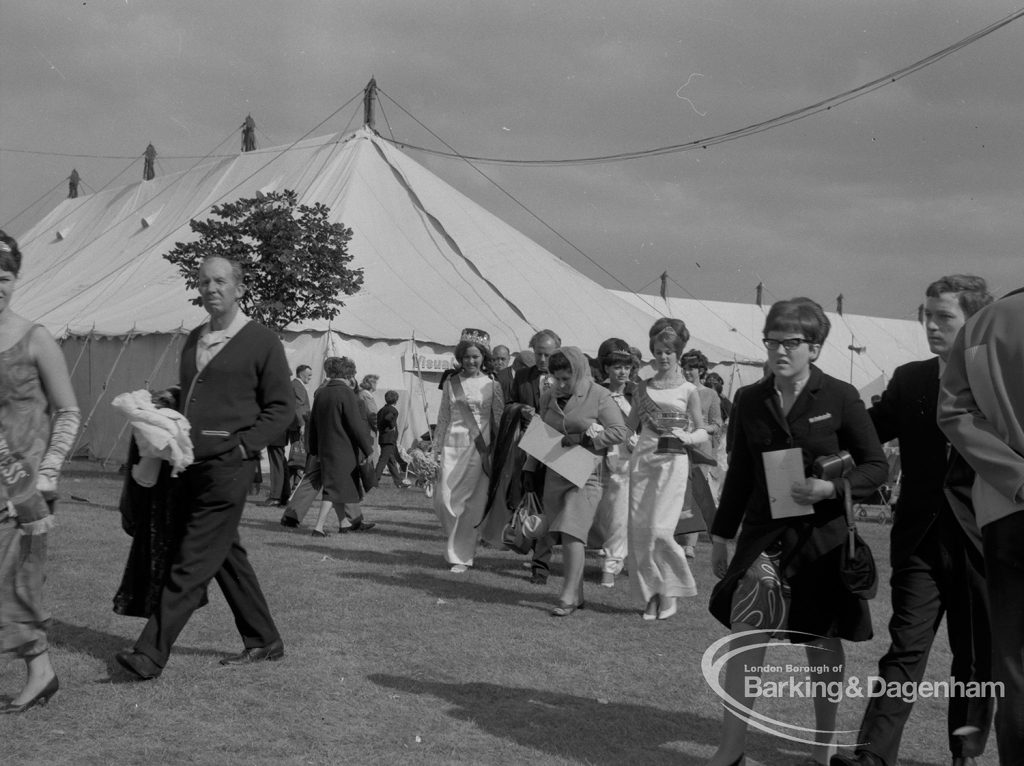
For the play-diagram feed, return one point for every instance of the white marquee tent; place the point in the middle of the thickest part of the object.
(434, 262)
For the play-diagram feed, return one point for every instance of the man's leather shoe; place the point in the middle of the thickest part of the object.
(288, 521)
(359, 525)
(859, 758)
(270, 652)
(539, 578)
(964, 760)
(139, 665)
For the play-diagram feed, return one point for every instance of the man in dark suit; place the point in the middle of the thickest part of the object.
(303, 374)
(527, 386)
(236, 395)
(501, 367)
(937, 566)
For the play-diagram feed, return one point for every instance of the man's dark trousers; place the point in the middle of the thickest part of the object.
(1004, 564)
(280, 487)
(212, 493)
(389, 459)
(942, 577)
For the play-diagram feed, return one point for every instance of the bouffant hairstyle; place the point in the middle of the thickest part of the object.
(465, 345)
(613, 351)
(971, 291)
(391, 397)
(714, 380)
(369, 382)
(671, 332)
(798, 315)
(10, 255)
(694, 358)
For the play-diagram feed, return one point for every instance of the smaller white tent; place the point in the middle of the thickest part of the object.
(880, 345)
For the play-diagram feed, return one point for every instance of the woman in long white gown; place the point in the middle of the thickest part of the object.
(666, 405)
(471, 406)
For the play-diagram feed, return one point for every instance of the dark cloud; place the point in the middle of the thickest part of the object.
(872, 199)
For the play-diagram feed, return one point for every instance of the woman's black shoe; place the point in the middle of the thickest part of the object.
(40, 699)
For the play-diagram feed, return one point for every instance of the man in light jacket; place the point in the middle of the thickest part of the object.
(981, 410)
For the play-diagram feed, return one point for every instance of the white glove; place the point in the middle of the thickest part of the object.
(594, 429)
(682, 435)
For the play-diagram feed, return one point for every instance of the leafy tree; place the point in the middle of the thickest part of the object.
(296, 261)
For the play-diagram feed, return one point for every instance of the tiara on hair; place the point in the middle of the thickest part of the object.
(471, 335)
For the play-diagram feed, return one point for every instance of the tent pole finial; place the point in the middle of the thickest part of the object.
(369, 97)
(148, 169)
(249, 134)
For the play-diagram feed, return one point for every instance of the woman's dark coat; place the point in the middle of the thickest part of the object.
(827, 416)
(337, 432)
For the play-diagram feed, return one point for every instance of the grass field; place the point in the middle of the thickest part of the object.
(392, 659)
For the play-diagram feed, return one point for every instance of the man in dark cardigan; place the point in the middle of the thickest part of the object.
(237, 396)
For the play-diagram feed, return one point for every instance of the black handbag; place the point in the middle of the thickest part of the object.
(515, 536)
(367, 474)
(857, 564)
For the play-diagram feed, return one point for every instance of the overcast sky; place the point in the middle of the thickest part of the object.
(872, 199)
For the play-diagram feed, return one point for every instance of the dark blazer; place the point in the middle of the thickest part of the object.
(387, 425)
(338, 431)
(526, 387)
(828, 416)
(505, 378)
(241, 397)
(907, 412)
(302, 408)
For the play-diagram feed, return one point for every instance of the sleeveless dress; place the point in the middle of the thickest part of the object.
(657, 488)
(25, 431)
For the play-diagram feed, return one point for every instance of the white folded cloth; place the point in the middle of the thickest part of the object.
(161, 433)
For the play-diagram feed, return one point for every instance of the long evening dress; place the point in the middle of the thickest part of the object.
(658, 563)
(461, 491)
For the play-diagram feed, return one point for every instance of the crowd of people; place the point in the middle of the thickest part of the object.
(668, 456)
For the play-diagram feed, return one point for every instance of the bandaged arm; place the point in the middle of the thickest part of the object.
(62, 439)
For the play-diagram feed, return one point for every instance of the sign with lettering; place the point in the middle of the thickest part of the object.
(427, 362)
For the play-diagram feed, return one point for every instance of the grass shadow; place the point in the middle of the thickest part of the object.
(103, 646)
(566, 725)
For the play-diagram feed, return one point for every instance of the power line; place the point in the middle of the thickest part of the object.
(749, 130)
(34, 202)
(512, 197)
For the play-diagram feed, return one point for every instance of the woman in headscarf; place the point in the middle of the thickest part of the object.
(589, 418)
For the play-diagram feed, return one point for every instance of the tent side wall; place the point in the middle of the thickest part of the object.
(103, 367)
